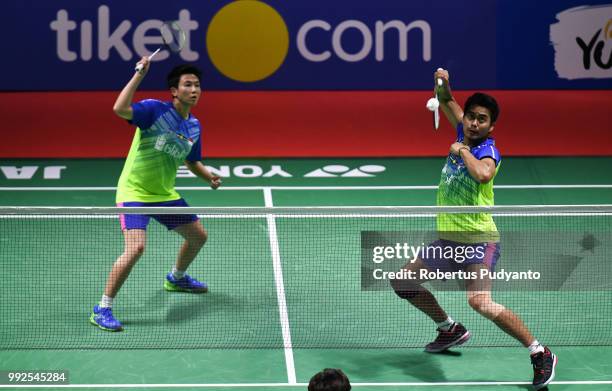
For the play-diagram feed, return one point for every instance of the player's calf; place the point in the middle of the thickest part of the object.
(405, 290)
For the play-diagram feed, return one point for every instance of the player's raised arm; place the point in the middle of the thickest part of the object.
(123, 104)
(451, 109)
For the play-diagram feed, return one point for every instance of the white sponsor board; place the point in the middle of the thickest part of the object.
(582, 40)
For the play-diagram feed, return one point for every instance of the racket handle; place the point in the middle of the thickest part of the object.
(439, 80)
(154, 53)
(140, 66)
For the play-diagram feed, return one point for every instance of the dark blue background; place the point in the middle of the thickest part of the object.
(486, 44)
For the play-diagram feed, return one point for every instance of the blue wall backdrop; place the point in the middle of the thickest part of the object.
(312, 45)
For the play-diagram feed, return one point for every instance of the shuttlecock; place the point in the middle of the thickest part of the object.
(433, 104)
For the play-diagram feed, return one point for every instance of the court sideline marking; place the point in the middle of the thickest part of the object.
(261, 385)
(284, 319)
(280, 289)
(408, 187)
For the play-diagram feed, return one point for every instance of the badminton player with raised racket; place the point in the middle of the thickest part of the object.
(167, 136)
(467, 180)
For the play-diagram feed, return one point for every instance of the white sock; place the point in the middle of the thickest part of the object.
(535, 348)
(177, 274)
(106, 302)
(447, 324)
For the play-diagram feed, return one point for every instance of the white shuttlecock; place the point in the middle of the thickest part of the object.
(433, 104)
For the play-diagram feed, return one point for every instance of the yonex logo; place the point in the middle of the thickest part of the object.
(27, 172)
(225, 171)
(255, 171)
(334, 170)
(246, 41)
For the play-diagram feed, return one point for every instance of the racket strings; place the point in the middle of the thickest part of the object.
(173, 36)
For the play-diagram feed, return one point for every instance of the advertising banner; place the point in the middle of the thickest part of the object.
(315, 45)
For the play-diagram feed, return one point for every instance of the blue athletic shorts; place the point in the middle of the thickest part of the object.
(130, 221)
(449, 256)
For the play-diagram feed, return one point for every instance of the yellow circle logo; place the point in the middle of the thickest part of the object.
(247, 40)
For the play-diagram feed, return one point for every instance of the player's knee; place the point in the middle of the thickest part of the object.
(135, 250)
(197, 238)
(201, 237)
(485, 306)
(404, 290)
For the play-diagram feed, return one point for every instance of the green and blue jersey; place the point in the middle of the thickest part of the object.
(458, 188)
(163, 141)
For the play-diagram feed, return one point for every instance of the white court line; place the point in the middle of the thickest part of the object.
(291, 376)
(300, 216)
(413, 187)
(273, 385)
(280, 289)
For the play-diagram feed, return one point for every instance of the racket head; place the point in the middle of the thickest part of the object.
(173, 35)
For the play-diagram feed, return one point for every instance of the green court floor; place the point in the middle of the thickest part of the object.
(292, 182)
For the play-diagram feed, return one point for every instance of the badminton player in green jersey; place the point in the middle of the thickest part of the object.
(167, 135)
(467, 180)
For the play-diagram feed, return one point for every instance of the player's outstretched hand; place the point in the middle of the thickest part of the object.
(215, 182)
(444, 93)
(441, 74)
(142, 66)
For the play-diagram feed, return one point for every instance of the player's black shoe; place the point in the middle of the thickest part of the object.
(543, 368)
(456, 335)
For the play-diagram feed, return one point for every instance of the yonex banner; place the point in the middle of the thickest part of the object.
(305, 45)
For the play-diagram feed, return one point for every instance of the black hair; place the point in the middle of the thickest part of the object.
(483, 100)
(329, 379)
(174, 76)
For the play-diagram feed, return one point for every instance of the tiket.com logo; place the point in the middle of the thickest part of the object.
(583, 42)
(247, 41)
(122, 38)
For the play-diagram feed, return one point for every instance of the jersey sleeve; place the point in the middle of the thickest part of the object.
(195, 155)
(145, 112)
(490, 151)
(460, 132)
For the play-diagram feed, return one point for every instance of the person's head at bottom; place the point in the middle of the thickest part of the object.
(329, 379)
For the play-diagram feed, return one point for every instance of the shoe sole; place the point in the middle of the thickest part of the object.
(552, 375)
(173, 288)
(93, 321)
(459, 341)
